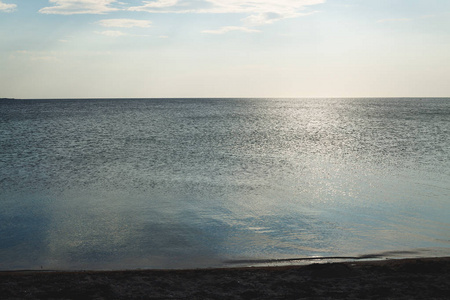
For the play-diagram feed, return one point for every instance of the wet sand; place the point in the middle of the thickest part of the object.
(424, 278)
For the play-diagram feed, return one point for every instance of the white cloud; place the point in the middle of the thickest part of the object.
(111, 33)
(230, 28)
(70, 7)
(7, 7)
(150, 5)
(125, 23)
(269, 18)
(259, 11)
(262, 19)
(281, 7)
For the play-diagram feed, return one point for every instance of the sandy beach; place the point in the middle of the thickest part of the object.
(424, 278)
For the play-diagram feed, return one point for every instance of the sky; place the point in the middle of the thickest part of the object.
(224, 48)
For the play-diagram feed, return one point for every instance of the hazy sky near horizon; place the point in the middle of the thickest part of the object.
(224, 48)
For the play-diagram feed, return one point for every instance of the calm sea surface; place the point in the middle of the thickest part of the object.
(175, 183)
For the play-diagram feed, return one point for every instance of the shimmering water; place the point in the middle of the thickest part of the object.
(174, 183)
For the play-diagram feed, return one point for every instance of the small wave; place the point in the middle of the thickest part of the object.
(385, 254)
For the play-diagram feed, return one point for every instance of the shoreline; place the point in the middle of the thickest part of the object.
(410, 278)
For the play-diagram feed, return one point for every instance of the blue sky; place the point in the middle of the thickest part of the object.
(224, 48)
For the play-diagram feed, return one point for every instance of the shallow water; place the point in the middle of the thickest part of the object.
(174, 183)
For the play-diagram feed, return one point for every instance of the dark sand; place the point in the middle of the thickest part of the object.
(425, 278)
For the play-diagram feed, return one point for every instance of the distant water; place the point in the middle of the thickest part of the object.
(175, 183)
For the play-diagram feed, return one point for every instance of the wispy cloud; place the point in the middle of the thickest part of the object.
(70, 7)
(151, 5)
(124, 23)
(255, 12)
(44, 56)
(269, 18)
(5, 7)
(279, 7)
(230, 28)
(111, 33)
(259, 12)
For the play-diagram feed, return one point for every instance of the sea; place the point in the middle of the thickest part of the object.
(107, 184)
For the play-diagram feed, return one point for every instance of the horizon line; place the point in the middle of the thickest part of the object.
(219, 98)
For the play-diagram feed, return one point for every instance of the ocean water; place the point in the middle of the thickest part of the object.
(186, 183)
